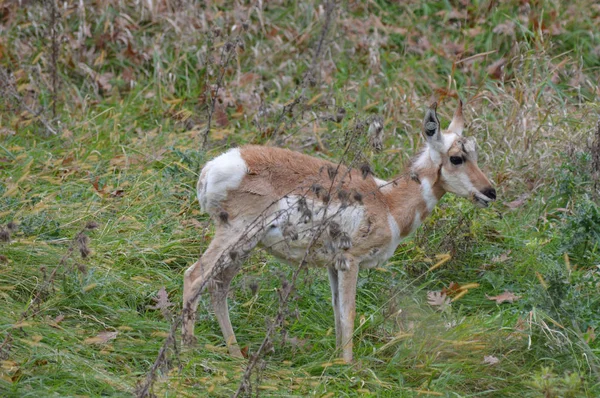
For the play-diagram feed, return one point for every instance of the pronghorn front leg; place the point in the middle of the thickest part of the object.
(347, 280)
(335, 302)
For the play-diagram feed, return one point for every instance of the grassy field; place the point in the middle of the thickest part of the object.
(102, 121)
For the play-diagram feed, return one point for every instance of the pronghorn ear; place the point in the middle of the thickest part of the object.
(431, 128)
(458, 122)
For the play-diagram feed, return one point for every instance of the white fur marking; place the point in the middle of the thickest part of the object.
(395, 235)
(380, 182)
(223, 173)
(427, 193)
(286, 213)
(449, 139)
(416, 222)
(458, 183)
(435, 156)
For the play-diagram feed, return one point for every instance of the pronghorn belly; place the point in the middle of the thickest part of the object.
(298, 225)
(377, 256)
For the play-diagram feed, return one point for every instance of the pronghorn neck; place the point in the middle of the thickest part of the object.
(413, 195)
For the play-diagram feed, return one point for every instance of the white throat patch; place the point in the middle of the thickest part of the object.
(428, 195)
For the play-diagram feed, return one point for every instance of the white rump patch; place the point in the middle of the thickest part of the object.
(223, 173)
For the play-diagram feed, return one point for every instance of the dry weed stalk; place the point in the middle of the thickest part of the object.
(228, 52)
(309, 79)
(288, 287)
(53, 52)
(595, 151)
(234, 256)
(8, 89)
(79, 242)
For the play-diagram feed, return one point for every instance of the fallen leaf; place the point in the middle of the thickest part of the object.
(295, 342)
(519, 201)
(244, 351)
(496, 70)
(502, 257)
(117, 193)
(452, 289)
(97, 186)
(103, 81)
(590, 335)
(248, 77)
(101, 338)
(192, 222)
(490, 359)
(54, 323)
(507, 296)
(438, 299)
(506, 28)
(221, 116)
(162, 303)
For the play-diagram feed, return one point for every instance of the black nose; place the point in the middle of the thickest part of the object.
(490, 193)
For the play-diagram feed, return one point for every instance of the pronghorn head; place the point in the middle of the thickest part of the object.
(456, 158)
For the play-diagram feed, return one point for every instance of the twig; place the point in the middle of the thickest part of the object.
(54, 54)
(77, 242)
(227, 53)
(8, 88)
(309, 78)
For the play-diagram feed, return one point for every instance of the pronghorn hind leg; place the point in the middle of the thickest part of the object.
(195, 279)
(335, 302)
(347, 280)
(218, 294)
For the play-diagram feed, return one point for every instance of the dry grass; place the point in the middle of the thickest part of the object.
(133, 86)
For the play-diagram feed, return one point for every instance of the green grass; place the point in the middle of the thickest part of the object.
(128, 155)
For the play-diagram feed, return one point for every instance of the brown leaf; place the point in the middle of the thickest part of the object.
(221, 116)
(54, 323)
(192, 222)
(244, 351)
(496, 70)
(162, 302)
(502, 257)
(506, 28)
(295, 342)
(117, 193)
(452, 289)
(103, 81)
(590, 335)
(248, 77)
(490, 360)
(101, 338)
(97, 187)
(519, 201)
(128, 76)
(438, 299)
(507, 296)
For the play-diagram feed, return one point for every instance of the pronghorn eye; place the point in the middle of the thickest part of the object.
(456, 160)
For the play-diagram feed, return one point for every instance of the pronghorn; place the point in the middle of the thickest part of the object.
(292, 194)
